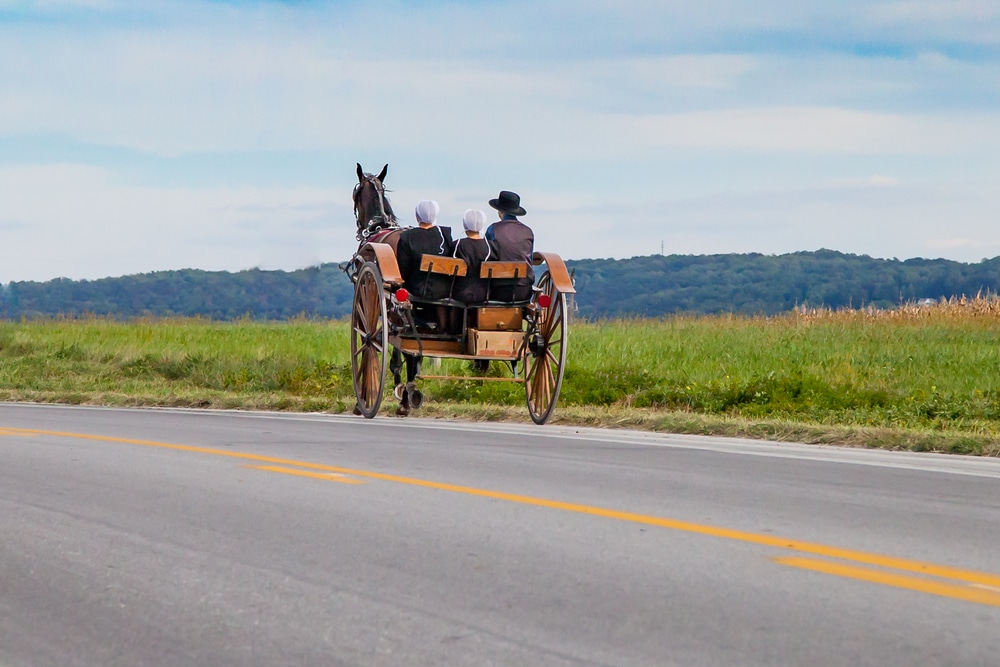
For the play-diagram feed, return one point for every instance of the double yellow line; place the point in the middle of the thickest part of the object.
(968, 585)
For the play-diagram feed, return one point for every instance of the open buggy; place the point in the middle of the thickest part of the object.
(393, 329)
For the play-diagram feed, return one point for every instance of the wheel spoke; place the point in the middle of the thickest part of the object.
(376, 358)
(556, 320)
(363, 305)
(376, 305)
(529, 386)
(363, 375)
(552, 321)
(538, 383)
(366, 304)
(373, 312)
(532, 367)
(547, 384)
(372, 378)
(375, 386)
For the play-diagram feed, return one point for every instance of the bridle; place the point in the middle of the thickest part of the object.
(380, 220)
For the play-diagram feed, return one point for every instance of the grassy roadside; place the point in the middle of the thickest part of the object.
(923, 379)
(916, 440)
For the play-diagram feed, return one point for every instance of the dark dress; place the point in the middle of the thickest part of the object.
(413, 244)
(472, 289)
(514, 242)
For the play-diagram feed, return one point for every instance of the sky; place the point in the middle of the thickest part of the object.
(147, 135)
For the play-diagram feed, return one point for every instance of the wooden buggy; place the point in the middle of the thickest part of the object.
(529, 337)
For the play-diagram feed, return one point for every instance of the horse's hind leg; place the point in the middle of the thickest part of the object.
(411, 396)
(408, 394)
(396, 367)
(413, 367)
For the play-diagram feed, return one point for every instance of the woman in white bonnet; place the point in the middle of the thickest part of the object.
(475, 250)
(424, 239)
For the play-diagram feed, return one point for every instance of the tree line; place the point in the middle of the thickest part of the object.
(649, 286)
(770, 284)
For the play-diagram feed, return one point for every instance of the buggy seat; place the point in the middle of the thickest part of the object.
(506, 272)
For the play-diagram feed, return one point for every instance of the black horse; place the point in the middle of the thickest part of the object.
(372, 209)
(377, 223)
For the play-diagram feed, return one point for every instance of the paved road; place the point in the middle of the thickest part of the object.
(156, 537)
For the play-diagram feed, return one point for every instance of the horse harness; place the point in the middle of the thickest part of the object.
(377, 222)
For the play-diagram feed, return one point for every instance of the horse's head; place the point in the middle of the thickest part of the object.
(371, 207)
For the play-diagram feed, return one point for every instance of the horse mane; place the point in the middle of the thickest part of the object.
(388, 206)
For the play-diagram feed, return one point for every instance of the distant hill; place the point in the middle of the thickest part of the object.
(652, 286)
(323, 291)
(769, 284)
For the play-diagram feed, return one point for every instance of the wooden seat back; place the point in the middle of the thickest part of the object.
(447, 266)
(498, 270)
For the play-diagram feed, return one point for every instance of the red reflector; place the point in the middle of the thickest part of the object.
(544, 300)
(402, 294)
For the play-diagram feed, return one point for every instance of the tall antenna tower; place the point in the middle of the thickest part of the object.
(661, 248)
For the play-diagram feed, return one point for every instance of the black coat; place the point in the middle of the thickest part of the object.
(414, 243)
(472, 288)
(514, 242)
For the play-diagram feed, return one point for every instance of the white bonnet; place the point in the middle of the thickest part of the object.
(474, 220)
(427, 211)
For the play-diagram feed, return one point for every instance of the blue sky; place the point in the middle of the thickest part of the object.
(140, 136)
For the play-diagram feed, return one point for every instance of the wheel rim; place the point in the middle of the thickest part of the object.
(545, 361)
(369, 340)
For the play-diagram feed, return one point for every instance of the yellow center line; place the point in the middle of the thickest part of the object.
(986, 588)
(329, 476)
(971, 593)
(979, 579)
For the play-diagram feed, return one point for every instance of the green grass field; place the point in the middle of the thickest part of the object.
(914, 378)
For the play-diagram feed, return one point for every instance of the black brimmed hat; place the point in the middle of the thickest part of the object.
(508, 202)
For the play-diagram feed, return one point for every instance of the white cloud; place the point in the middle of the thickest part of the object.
(79, 222)
(881, 222)
(76, 221)
(234, 84)
(643, 74)
(619, 129)
(824, 130)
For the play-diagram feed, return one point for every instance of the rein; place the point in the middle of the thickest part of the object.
(377, 222)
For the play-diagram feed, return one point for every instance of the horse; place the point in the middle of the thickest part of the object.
(375, 218)
(377, 223)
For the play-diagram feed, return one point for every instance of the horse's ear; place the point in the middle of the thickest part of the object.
(361, 174)
(381, 174)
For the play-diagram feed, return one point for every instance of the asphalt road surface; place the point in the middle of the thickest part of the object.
(160, 537)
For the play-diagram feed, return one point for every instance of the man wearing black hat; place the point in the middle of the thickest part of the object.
(514, 242)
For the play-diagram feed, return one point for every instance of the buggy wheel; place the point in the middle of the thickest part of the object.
(369, 339)
(545, 352)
